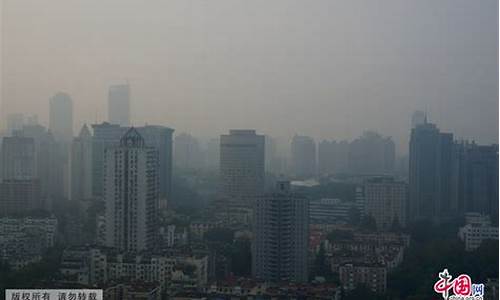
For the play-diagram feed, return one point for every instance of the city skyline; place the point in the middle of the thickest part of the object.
(177, 66)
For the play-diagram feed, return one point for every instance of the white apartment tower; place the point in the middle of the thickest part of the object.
(131, 193)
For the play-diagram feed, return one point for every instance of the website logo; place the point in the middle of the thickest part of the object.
(459, 288)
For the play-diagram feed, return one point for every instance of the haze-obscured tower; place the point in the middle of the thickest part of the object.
(131, 193)
(119, 104)
(303, 150)
(418, 118)
(430, 173)
(242, 164)
(61, 118)
(279, 250)
(81, 165)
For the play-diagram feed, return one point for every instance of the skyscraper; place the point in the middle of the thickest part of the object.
(385, 201)
(327, 151)
(119, 104)
(242, 164)
(372, 153)
(187, 152)
(430, 173)
(61, 118)
(303, 150)
(108, 135)
(18, 158)
(131, 193)
(160, 138)
(417, 118)
(279, 250)
(19, 187)
(81, 165)
(475, 178)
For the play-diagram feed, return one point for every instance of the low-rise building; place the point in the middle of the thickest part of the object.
(373, 276)
(477, 229)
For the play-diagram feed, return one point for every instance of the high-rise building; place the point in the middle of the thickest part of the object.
(18, 158)
(61, 118)
(385, 201)
(49, 161)
(303, 150)
(418, 118)
(105, 135)
(19, 187)
(131, 193)
(187, 152)
(108, 135)
(279, 251)
(160, 138)
(15, 122)
(327, 152)
(119, 104)
(81, 165)
(430, 184)
(242, 161)
(475, 179)
(372, 154)
(19, 195)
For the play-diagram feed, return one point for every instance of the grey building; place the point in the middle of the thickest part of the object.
(303, 150)
(242, 165)
(430, 173)
(108, 135)
(372, 153)
(475, 178)
(279, 250)
(131, 193)
(81, 165)
(119, 104)
(18, 158)
(61, 117)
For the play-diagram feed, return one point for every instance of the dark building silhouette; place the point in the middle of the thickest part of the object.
(372, 154)
(303, 150)
(281, 236)
(430, 173)
(475, 178)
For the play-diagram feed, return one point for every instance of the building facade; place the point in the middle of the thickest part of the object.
(430, 173)
(242, 166)
(119, 104)
(81, 165)
(281, 232)
(131, 193)
(385, 201)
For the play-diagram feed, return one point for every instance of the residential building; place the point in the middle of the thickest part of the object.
(131, 193)
(281, 232)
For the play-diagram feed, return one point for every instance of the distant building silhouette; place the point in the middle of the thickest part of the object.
(61, 118)
(119, 104)
(303, 150)
(475, 179)
(418, 118)
(187, 152)
(280, 246)
(81, 165)
(372, 153)
(19, 185)
(430, 173)
(242, 164)
(131, 193)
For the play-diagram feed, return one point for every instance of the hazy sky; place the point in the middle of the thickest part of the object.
(325, 68)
